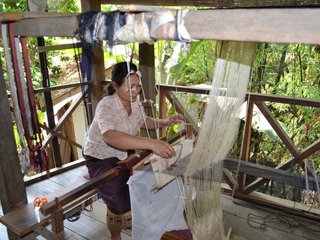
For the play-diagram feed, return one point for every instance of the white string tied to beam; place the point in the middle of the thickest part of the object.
(204, 171)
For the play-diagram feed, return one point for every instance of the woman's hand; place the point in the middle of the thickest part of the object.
(162, 149)
(174, 119)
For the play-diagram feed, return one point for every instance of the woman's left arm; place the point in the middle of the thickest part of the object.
(153, 123)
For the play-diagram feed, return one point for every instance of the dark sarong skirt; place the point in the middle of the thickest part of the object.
(115, 193)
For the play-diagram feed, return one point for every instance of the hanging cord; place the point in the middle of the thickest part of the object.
(20, 94)
(24, 89)
(38, 138)
(14, 97)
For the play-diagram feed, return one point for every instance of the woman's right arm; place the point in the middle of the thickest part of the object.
(126, 141)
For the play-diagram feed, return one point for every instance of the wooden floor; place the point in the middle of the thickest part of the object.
(246, 221)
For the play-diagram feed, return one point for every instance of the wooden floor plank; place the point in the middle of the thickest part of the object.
(70, 176)
(88, 228)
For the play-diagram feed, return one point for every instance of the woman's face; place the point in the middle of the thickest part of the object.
(130, 88)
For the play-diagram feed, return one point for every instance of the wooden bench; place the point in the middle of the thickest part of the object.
(23, 221)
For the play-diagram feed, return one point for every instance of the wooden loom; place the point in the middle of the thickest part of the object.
(22, 221)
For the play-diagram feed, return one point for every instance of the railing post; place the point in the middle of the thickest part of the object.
(245, 144)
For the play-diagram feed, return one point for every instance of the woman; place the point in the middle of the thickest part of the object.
(112, 134)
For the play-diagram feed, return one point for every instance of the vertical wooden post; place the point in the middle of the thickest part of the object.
(12, 188)
(245, 145)
(48, 102)
(146, 66)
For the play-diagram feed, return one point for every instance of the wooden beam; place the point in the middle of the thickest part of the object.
(58, 87)
(253, 96)
(216, 3)
(61, 136)
(270, 173)
(276, 25)
(59, 47)
(62, 26)
(18, 16)
(184, 89)
(227, 176)
(284, 99)
(281, 25)
(286, 165)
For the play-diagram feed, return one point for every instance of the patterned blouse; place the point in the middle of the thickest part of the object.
(111, 115)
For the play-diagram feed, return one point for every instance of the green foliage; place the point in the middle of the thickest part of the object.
(71, 6)
(14, 6)
(196, 66)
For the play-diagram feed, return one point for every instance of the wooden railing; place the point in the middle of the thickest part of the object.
(167, 94)
(265, 174)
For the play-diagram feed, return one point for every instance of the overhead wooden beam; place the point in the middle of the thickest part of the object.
(46, 26)
(17, 16)
(256, 25)
(280, 25)
(217, 3)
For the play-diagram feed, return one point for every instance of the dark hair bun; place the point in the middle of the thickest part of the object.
(121, 70)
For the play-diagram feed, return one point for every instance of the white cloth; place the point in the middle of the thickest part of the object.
(154, 213)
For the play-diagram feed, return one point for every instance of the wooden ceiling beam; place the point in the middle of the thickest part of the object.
(283, 25)
(217, 3)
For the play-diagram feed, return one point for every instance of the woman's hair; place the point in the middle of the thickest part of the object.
(119, 73)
